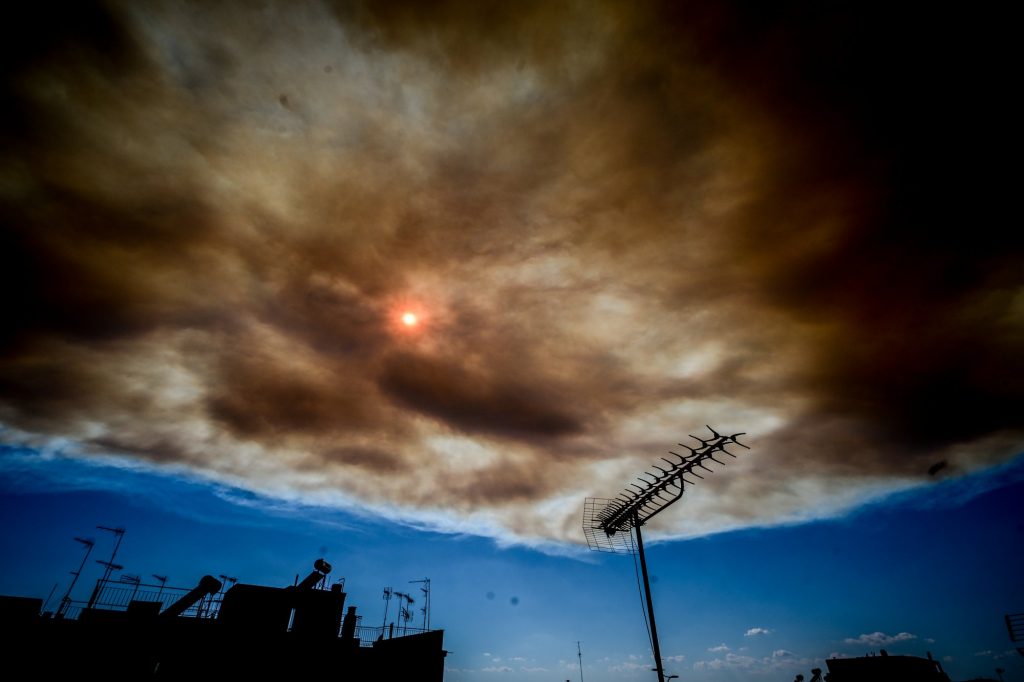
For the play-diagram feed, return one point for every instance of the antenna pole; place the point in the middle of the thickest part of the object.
(650, 603)
(65, 602)
(48, 598)
(579, 653)
(387, 603)
(110, 565)
(426, 601)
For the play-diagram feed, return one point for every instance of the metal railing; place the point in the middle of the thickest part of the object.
(116, 595)
(367, 635)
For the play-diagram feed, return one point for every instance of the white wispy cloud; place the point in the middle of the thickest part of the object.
(880, 638)
(780, 659)
(753, 632)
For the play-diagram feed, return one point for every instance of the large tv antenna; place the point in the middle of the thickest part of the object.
(613, 525)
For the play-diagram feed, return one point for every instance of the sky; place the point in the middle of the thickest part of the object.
(611, 224)
(928, 570)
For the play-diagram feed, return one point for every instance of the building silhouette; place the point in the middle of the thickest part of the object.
(885, 668)
(133, 631)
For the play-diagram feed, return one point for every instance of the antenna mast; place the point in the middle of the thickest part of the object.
(65, 601)
(388, 592)
(109, 566)
(579, 653)
(611, 525)
(426, 601)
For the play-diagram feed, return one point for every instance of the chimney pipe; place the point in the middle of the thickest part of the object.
(348, 626)
(208, 585)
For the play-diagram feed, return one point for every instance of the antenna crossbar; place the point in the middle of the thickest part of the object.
(661, 488)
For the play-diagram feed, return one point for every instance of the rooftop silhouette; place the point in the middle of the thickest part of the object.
(132, 630)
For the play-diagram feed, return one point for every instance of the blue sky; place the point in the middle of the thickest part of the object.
(933, 569)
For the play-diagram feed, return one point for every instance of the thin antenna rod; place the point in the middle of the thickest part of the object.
(65, 601)
(387, 602)
(110, 566)
(579, 653)
(650, 604)
(48, 598)
(426, 601)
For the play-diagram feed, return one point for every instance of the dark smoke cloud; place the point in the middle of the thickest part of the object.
(616, 223)
(475, 403)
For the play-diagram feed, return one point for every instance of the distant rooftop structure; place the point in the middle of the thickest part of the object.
(885, 668)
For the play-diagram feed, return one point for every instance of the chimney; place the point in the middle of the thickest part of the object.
(348, 626)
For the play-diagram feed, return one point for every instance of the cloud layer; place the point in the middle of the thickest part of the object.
(615, 225)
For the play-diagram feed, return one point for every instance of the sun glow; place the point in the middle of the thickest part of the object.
(408, 319)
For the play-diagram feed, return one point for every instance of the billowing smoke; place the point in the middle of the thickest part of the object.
(614, 224)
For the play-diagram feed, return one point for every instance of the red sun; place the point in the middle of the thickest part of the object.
(410, 319)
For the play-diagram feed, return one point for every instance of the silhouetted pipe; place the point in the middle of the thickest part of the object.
(348, 626)
(208, 585)
(320, 569)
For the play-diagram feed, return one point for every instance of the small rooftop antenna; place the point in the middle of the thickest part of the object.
(109, 566)
(404, 614)
(224, 580)
(611, 525)
(65, 601)
(132, 579)
(388, 593)
(162, 579)
(426, 601)
(579, 653)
